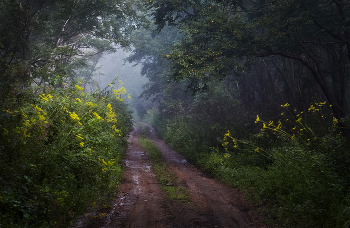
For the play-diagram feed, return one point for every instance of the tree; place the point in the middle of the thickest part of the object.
(39, 39)
(223, 37)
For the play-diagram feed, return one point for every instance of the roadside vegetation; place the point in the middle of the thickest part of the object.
(61, 153)
(62, 137)
(292, 167)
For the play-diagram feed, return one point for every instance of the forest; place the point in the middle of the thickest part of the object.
(253, 92)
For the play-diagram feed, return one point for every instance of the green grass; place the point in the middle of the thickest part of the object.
(166, 178)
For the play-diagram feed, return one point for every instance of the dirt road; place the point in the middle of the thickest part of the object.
(141, 202)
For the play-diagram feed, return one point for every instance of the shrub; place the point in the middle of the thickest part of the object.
(60, 152)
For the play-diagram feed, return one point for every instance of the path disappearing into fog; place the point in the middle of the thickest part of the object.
(141, 202)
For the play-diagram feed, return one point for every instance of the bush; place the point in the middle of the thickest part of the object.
(295, 164)
(60, 152)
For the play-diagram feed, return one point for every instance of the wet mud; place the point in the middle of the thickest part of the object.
(141, 203)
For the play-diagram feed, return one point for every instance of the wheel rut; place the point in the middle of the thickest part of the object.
(141, 202)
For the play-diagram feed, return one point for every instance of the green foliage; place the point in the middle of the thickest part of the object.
(60, 152)
(295, 165)
(43, 40)
(300, 187)
(226, 37)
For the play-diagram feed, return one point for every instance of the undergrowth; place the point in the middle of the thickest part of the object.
(60, 153)
(297, 166)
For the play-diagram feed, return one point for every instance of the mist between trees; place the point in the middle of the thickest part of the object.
(253, 92)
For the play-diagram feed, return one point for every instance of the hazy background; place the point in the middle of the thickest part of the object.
(113, 66)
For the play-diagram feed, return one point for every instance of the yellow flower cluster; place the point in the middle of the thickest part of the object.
(257, 119)
(285, 105)
(90, 104)
(225, 140)
(80, 137)
(118, 92)
(79, 88)
(116, 130)
(313, 109)
(111, 116)
(109, 164)
(335, 120)
(97, 116)
(41, 113)
(45, 97)
(74, 116)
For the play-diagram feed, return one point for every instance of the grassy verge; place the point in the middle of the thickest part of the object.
(166, 178)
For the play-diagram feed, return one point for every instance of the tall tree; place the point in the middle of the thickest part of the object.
(222, 37)
(38, 39)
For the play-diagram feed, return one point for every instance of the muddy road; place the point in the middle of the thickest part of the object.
(141, 202)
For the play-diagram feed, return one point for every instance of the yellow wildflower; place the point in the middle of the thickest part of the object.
(45, 97)
(90, 104)
(73, 115)
(78, 99)
(335, 120)
(285, 105)
(122, 90)
(115, 129)
(81, 144)
(80, 137)
(41, 117)
(79, 88)
(279, 125)
(257, 119)
(116, 92)
(97, 116)
(38, 109)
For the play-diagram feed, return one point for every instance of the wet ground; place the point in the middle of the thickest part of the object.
(141, 203)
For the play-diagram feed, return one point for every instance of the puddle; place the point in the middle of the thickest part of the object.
(136, 165)
(146, 168)
(135, 177)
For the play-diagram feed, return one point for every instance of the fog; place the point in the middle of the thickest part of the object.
(113, 66)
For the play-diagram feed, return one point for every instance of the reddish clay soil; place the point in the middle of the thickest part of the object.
(141, 203)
